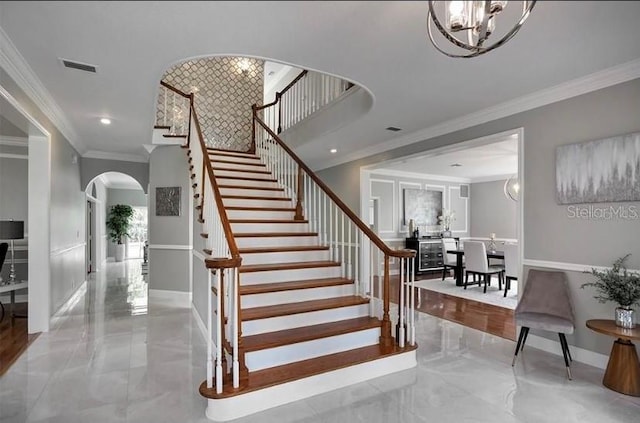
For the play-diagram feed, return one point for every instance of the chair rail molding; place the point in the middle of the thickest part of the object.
(572, 267)
(169, 247)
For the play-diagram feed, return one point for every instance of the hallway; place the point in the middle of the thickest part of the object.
(110, 358)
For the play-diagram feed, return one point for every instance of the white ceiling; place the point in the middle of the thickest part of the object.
(488, 162)
(380, 45)
(117, 180)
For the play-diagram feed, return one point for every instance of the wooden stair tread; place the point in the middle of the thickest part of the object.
(267, 221)
(287, 266)
(272, 234)
(264, 172)
(307, 333)
(247, 208)
(245, 178)
(306, 368)
(264, 288)
(265, 312)
(250, 187)
(161, 127)
(285, 249)
(213, 160)
(174, 136)
(255, 197)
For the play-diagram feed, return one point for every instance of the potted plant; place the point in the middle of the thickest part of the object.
(619, 285)
(445, 220)
(118, 222)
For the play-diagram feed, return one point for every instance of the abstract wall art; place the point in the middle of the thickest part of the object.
(168, 201)
(423, 206)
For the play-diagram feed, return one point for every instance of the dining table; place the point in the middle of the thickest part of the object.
(491, 254)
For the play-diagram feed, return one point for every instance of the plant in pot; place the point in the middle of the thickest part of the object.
(446, 219)
(118, 222)
(621, 286)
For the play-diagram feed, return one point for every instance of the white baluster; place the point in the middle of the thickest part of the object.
(219, 329)
(343, 262)
(413, 301)
(236, 364)
(209, 333)
(401, 305)
(349, 270)
(164, 117)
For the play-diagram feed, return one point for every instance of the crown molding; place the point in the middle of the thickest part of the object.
(14, 141)
(593, 82)
(416, 175)
(493, 178)
(19, 70)
(104, 155)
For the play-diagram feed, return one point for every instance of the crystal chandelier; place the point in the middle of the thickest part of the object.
(469, 24)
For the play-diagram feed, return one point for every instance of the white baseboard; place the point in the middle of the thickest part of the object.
(578, 354)
(201, 325)
(174, 298)
(68, 305)
(230, 408)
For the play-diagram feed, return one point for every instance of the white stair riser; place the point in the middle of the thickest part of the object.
(245, 183)
(276, 241)
(285, 257)
(252, 192)
(236, 159)
(262, 214)
(242, 174)
(232, 154)
(236, 166)
(297, 295)
(243, 202)
(269, 227)
(272, 276)
(272, 324)
(263, 359)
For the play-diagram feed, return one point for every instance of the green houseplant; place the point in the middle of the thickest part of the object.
(118, 221)
(618, 285)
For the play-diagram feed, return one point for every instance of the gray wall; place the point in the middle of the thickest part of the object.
(90, 168)
(549, 234)
(169, 267)
(67, 205)
(14, 205)
(493, 212)
(131, 197)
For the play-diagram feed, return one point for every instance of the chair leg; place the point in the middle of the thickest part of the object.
(524, 340)
(444, 271)
(563, 341)
(520, 338)
(507, 286)
(500, 281)
(486, 279)
(466, 279)
(566, 346)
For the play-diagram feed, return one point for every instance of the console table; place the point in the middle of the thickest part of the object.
(12, 288)
(623, 370)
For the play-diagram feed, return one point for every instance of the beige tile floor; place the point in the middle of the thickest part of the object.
(110, 358)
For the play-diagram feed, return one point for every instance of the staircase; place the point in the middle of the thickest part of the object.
(299, 286)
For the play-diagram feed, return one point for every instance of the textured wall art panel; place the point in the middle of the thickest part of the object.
(225, 88)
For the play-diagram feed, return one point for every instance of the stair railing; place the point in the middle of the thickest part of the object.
(173, 109)
(306, 94)
(364, 256)
(224, 314)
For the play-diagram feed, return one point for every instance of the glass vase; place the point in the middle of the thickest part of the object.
(625, 317)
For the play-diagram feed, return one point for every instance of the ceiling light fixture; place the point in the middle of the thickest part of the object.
(333, 151)
(105, 121)
(456, 165)
(512, 188)
(468, 25)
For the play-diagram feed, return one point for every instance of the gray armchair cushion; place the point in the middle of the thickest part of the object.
(546, 303)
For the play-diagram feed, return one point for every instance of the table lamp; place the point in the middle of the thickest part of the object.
(11, 230)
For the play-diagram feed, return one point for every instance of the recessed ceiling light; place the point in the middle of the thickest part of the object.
(333, 151)
(105, 121)
(393, 129)
(456, 165)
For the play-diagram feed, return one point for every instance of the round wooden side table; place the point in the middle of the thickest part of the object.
(623, 371)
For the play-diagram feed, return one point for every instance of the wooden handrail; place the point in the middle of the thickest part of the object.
(236, 259)
(346, 210)
(279, 94)
(175, 90)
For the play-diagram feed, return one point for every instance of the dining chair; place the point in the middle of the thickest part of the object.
(450, 260)
(511, 265)
(478, 264)
(546, 305)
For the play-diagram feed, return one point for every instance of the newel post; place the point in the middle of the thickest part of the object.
(386, 340)
(252, 149)
(299, 212)
(278, 98)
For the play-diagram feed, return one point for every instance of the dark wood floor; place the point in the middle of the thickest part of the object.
(14, 340)
(488, 318)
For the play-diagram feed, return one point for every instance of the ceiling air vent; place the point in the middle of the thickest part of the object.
(393, 129)
(79, 66)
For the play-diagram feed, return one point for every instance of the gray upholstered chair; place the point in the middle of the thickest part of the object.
(546, 305)
(450, 260)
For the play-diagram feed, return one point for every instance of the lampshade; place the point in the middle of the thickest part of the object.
(11, 229)
(472, 28)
